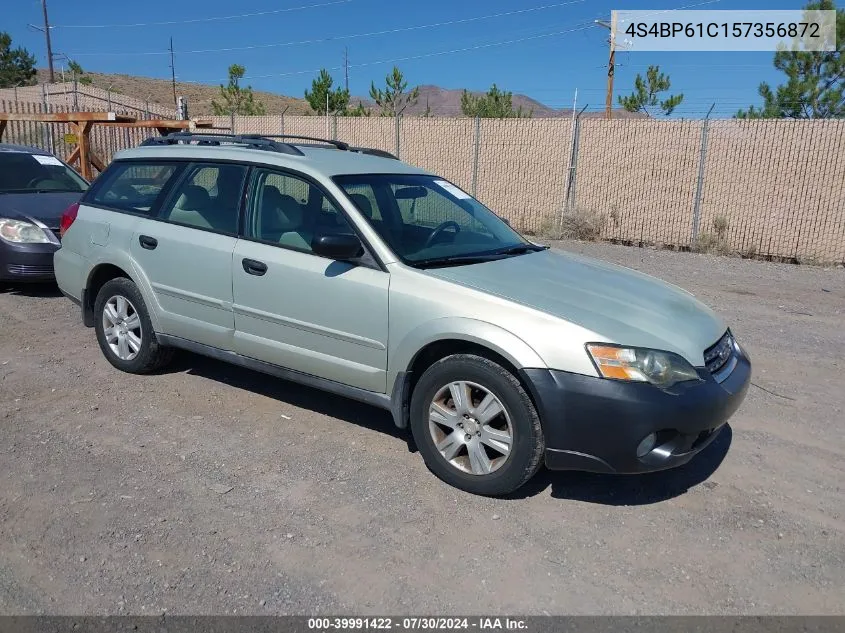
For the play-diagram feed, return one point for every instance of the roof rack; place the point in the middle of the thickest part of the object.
(338, 144)
(254, 142)
(372, 151)
(261, 141)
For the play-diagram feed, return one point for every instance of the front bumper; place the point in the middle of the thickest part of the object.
(27, 262)
(595, 424)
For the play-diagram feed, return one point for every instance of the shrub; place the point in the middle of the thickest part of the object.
(575, 224)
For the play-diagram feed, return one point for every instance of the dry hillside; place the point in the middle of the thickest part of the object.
(199, 95)
(447, 102)
(441, 101)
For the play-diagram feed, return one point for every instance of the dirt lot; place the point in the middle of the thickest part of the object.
(211, 489)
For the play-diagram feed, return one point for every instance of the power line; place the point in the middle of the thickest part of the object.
(198, 20)
(335, 38)
(431, 54)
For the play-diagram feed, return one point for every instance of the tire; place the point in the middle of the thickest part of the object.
(502, 472)
(140, 353)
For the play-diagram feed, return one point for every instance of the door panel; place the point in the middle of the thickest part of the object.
(313, 315)
(299, 310)
(190, 272)
(187, 253)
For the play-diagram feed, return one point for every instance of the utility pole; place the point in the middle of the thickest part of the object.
(49, 45)
(611, 63)
(346, 65)
(173, 73)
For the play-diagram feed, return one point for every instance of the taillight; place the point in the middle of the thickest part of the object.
(67, 218)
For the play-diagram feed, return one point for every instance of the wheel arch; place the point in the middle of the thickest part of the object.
(104, 272)
(444, 337)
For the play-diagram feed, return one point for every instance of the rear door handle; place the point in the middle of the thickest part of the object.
(253, 267)
(148, 242)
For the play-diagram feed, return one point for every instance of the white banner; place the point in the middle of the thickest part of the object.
(744, 30)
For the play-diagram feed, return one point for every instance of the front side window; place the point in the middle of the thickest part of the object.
(429, 221)
(209, 197)
(133, 186)
(33, 173)
(288, 211)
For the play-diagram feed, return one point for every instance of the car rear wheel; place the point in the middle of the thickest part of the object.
(124, 330)
(475, 426)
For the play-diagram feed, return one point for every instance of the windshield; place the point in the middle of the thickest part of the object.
(28, 173)
(425, 219)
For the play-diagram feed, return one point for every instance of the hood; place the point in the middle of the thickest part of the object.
(620, 304)
(45, 207)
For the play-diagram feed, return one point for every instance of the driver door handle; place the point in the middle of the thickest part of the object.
(147, 242)
(254, 267)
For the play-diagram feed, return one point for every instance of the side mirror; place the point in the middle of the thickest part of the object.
(339, 246)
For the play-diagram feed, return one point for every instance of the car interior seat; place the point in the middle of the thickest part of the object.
(191, 207)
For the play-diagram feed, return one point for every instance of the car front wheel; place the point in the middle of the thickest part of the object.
(475, 426)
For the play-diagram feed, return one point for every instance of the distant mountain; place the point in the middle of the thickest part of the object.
(441, 101)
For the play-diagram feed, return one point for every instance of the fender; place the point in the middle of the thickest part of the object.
(127, 264)
(493, 337)
(499, 340)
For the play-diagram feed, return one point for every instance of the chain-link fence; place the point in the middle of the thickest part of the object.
(770, 188)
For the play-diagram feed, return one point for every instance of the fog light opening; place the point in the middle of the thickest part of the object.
(647, 444)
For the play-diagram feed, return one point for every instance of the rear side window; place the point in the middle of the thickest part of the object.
(133, 186)
(209, 197)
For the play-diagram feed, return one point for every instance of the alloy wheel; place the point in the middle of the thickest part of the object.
(470, 428)
(122, 327)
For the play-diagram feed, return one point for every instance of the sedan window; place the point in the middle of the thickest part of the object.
(29, 173)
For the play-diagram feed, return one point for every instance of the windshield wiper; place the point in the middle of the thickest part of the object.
(521, 249)
(457, 260)
(477, 258)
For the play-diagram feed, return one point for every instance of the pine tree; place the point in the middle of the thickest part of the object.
(495, 104)
(76, 69)
(815, 81)
(358, 110)
(394, 99)
(646, 92)
(17, 65)
(235, 99)
(321, 92)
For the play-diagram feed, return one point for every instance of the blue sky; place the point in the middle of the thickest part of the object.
(546, 52)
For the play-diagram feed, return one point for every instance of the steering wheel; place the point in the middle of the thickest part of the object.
(440, 228)
(31, 184)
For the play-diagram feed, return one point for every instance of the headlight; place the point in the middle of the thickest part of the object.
(662, 369)
(21, 232)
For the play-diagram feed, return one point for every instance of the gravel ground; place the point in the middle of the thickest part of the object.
(212, 489)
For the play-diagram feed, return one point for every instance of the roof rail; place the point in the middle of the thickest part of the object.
(372, 151)
(338, 144)
(254, 142)
(261, 141)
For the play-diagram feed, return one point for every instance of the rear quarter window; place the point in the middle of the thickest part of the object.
(133, 186)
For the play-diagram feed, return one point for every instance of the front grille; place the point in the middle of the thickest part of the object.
(28, 270)
(720, 354)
